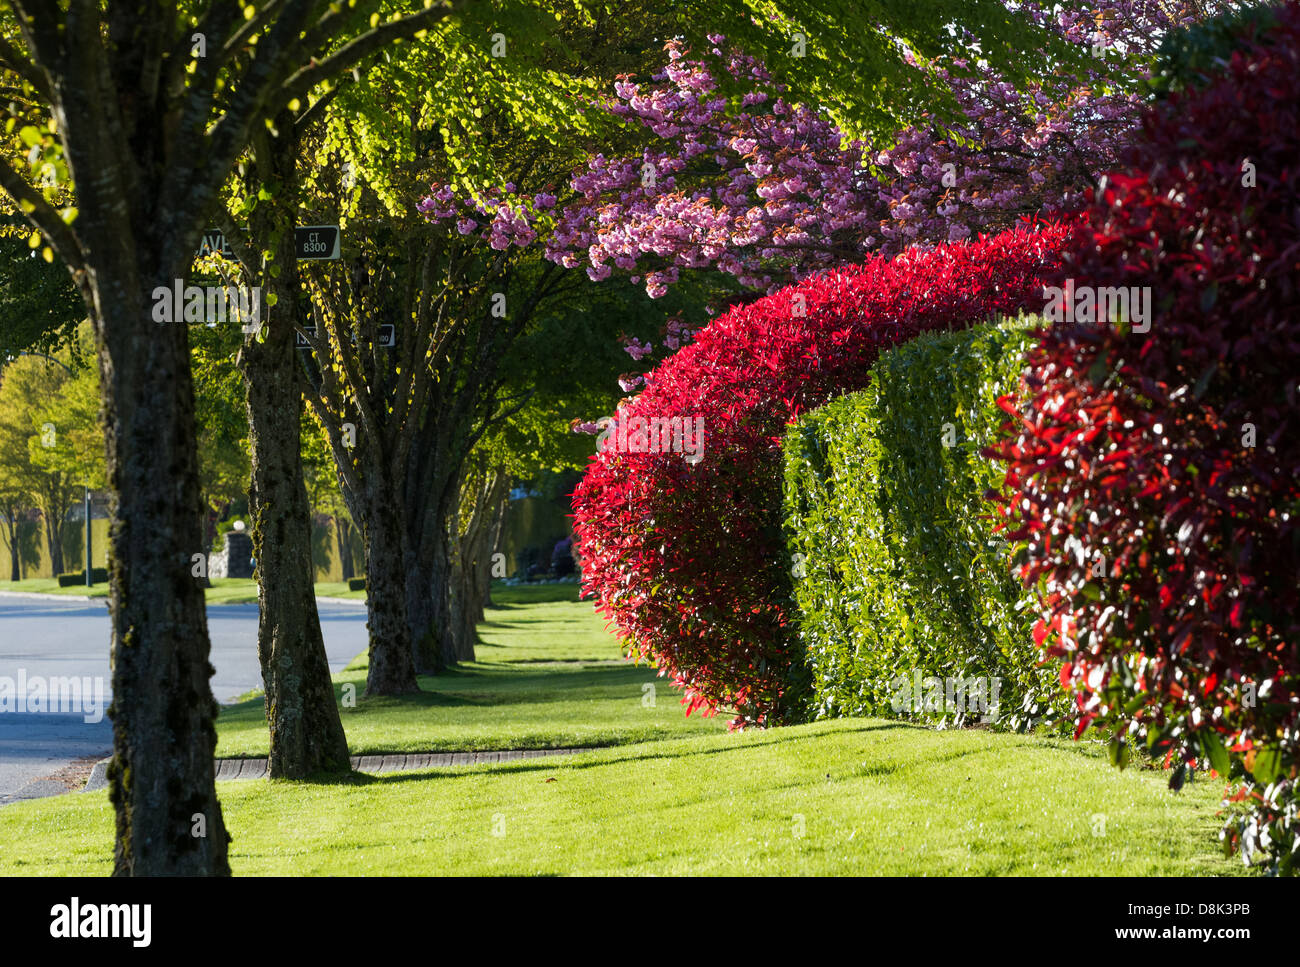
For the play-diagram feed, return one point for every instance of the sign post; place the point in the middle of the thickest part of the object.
(90, 581)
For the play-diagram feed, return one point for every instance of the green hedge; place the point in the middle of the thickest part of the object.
(71, 578)
(903, 590)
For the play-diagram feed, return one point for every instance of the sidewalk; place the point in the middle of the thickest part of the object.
(228, 769)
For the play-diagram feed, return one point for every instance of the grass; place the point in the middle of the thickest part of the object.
(548, 676)
(223, 590)
(851, 796)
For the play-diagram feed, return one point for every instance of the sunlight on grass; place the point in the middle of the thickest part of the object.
(548, 676)
(853, 796)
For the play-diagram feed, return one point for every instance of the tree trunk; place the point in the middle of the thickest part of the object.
(343, 533)
(306, 732)
(54, 538)
(392, 662)
(161, 778)
(11, 525)
(443, 592)
(421, 615)
(494, 542)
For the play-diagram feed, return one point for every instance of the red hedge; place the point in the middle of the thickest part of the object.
(1138, 446)
(689, 559)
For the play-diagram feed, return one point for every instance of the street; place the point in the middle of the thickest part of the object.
(55, 640)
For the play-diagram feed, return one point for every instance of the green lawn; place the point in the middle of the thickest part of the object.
(852, 796)
(548, 676)
(843, 797)
(223, 590)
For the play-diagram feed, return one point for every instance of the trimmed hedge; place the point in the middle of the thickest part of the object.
(71, 578)
(688, 559)
(897, 571)
(356, 584)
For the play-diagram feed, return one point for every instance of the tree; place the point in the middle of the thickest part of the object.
(153, 107)
(39, 306)
(16, 476)
(457, 307)
(66, 445)
(49, 440)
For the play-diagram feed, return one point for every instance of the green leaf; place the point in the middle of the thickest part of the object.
(1218, 755)
(1268, 764)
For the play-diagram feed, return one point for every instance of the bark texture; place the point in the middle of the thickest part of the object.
(392, 662)
(306, 731)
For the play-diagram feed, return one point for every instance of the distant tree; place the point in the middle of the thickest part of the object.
(66, 444)
(50, 442)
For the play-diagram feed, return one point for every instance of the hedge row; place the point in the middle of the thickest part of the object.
(71, 578)
(688, 558)
(900, 582)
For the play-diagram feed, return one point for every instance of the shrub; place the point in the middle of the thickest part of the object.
(71, 578)
(356, 584)
(1155, 475)
(688, 558)
(899, 578)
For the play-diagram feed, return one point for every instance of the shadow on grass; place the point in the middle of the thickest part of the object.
(485, 685)
(630, 753)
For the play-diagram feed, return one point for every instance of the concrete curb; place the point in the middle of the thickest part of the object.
(38, 596)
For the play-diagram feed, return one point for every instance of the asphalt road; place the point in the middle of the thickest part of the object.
(54, 638)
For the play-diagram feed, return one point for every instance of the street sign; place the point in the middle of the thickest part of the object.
(213, 243)
(317, 241)
(310, 242)
(387, 336)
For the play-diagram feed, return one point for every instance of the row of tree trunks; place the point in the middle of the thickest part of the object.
(449, 579)
(494, 544)
(486, 498)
